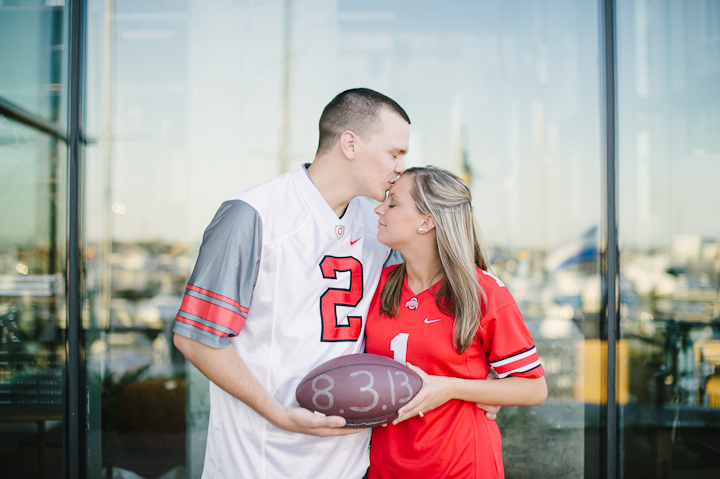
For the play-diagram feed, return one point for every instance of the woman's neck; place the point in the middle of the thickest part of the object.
(423, 269)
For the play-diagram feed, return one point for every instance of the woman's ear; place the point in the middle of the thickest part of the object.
(427, 225)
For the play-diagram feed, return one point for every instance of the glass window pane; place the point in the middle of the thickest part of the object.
(194, 102)
(32, 307)
(32, 55)
(136, 378)
(669, 165)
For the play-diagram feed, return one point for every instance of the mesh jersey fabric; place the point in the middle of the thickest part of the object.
(288, 284)
(454, 440)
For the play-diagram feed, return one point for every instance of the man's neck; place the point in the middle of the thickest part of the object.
(331, 182)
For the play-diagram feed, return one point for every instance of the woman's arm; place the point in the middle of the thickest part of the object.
(437, 390)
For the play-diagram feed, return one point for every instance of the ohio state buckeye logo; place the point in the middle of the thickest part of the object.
(412, 304)
(339, 231)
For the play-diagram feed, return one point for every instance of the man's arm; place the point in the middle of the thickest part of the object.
(225, 367)
(215, 307)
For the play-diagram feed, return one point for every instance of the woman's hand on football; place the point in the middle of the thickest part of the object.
(435, 392)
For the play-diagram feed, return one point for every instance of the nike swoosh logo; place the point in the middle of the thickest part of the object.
(353, 242)
(428, 320)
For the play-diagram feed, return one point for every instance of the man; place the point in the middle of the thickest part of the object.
(283, 282)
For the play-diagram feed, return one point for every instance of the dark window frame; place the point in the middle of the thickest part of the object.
(75, 385)
(609, 452)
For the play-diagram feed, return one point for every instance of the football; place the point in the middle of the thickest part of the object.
(366, 389)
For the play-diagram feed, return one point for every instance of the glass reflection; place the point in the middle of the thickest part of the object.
(134, 277)
(669, 157)
(32, 55)
(32, 313)
(193, 102)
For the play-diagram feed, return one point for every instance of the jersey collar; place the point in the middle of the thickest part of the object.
(407, 294)
(318, 203)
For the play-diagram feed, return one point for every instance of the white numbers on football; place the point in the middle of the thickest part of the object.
(323, 391)
(376, 397)
(406, 384)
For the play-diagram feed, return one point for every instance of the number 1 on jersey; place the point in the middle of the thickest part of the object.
(334, 297)
(398, 346)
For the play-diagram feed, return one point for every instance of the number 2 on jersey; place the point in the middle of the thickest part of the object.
(334, 297)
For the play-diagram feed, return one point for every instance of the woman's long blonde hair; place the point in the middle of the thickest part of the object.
(447, 198)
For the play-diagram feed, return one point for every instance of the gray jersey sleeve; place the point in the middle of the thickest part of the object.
(217, 297)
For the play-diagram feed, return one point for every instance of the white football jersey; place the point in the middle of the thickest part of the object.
(288, 284)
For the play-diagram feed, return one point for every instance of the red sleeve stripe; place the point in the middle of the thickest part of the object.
(520, 369)
(201, 326)
(212, 312)
(217, 296)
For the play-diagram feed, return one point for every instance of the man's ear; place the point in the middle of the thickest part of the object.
(348, 144)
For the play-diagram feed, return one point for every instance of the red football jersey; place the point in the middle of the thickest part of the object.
(456, 439)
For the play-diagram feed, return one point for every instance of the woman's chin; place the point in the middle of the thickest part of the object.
(385, 241)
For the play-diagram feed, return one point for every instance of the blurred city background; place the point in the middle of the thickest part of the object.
(187, 103)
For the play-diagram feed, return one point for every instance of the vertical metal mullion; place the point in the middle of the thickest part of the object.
(611, 270)
(75, 397)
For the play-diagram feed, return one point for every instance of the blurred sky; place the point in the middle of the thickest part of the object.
(198, 98)
(199, 103)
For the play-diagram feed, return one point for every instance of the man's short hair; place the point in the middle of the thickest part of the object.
(357, 110)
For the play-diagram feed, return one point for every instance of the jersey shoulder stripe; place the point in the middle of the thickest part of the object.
(212, 312)
(200, 325)
(215, 328)
(497, 294)
(217, 296)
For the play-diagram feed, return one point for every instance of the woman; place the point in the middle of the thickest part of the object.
(450, 320)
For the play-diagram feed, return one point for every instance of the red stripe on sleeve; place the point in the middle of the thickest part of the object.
(217, 296)
(516, 364)
(212, 312)
(201, 326)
